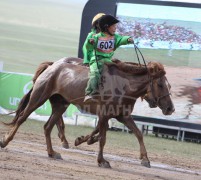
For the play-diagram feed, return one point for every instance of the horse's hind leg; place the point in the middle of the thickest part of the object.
(35, 101)
(61, 128)
(59, 106)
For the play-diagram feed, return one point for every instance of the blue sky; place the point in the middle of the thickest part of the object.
(159, 12)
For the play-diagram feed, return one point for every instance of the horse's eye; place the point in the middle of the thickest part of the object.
(160, 85)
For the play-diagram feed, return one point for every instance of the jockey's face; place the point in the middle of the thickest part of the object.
(112, 29)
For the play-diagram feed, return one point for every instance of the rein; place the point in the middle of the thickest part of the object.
(136, 51)
(155, 101)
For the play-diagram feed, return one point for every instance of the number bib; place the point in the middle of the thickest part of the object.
(105, 45)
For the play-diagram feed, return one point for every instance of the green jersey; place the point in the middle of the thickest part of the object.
(88, 52)
(105, 46)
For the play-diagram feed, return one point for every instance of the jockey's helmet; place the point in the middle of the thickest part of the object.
(96, 18)
(106, 21)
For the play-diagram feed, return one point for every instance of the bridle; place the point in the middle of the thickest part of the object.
(155, 101)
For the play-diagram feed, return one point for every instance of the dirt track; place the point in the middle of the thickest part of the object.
(28, 160)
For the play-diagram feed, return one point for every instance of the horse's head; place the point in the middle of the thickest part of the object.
(158, 91)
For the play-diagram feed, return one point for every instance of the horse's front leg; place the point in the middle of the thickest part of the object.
(129, 122)
(103, 124)
(91, 138)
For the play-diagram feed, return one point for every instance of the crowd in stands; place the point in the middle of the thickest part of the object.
(161, 31)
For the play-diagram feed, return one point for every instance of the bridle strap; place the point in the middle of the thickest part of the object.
(156, 99)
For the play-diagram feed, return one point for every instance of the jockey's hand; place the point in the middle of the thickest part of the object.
(130, 40)
(91, 41)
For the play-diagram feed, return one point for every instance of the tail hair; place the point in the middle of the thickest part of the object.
(25, 100)
(22, 105)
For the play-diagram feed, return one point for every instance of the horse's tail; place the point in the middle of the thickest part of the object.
(25, 100)
(22, 105)
(42, 67)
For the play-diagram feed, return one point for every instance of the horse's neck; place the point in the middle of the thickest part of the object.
(122, 83)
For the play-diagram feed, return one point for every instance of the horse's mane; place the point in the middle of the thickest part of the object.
(128, 67)
(155, 69)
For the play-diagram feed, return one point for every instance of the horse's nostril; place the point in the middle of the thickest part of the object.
(170, 109)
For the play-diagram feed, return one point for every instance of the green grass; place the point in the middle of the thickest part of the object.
(35, 31)
(178, 58)
(118, 140)
(23, 48)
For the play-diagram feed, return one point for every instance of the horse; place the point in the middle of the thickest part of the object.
(63, 83)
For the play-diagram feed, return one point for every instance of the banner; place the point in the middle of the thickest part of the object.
(13, 86)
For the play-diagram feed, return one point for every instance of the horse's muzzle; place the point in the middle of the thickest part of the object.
(168, 110)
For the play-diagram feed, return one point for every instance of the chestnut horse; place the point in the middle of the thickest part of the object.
(64, 81)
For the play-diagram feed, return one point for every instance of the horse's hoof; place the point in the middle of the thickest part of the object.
(79, 140)
(65, 145)
(2, 145)
(104, 164)
(145, 163)
(90, 141)
(55, 155)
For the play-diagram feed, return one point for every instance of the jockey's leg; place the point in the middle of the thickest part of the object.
(94, 78)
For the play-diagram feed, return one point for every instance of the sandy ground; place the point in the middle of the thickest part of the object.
(23, 159)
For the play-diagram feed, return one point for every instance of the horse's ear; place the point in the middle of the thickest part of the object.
(169, 86)
(156, 69)
(151, 69)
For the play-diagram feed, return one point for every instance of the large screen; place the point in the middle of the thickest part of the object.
(170, 35)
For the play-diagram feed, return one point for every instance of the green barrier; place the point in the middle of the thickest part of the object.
(14, 86)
